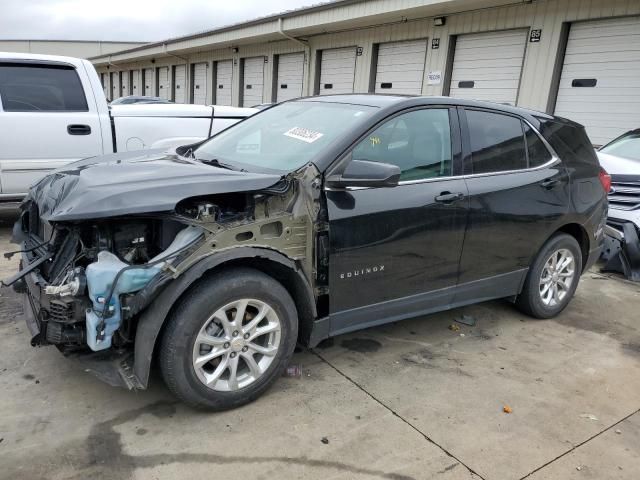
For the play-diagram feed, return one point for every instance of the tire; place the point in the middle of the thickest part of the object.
(534, 299)
(197, 324)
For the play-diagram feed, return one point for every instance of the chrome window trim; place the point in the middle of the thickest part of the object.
(554, 160)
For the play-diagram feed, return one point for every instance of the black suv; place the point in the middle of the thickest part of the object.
(313, 218)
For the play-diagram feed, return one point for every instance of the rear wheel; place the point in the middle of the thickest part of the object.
(228, 339)
(553, 278)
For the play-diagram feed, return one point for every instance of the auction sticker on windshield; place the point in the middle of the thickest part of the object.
(304, 134)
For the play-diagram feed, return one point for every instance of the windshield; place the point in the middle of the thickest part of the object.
(284, 137)
(627, 146)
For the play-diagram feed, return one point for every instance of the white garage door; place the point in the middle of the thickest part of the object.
(253, 81)
(487, 66)
(290, 75)
(124, 83)
(115, 85)
(199, 84)
(600, 81)
(179, 83)
(337, 70)
(135, 83)
(105, 84)
(148, 82)
(164, 83)
(224, 82)
(401, 67)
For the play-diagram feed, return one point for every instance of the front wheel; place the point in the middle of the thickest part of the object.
(553, 278)
(228, 339)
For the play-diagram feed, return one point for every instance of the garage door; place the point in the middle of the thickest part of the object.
(401, 67)
(487, 66)
(224, 82)
(199, 84)
(337, 70)
(147, 74)
(135, 83)
(253, 81)
(179, 83)
(105, 84)
(124, 83)
(164, 83)
(290, 76)
(600, 81)
(115, 85)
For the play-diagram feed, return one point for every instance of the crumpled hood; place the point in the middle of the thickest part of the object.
(134, 182)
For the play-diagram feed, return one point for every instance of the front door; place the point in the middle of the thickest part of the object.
(395, 251)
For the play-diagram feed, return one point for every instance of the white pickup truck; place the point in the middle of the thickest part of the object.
(53, 111)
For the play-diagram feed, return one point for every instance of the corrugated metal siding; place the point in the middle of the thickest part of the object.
(539, 61)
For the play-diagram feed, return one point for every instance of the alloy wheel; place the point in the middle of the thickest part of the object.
(236, 345)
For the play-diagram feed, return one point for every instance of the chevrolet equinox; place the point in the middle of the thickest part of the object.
(313, 218)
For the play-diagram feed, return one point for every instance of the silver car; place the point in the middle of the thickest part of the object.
(621, 159)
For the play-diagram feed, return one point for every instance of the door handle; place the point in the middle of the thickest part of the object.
(549, 183)
(448, 197)
(78, 129)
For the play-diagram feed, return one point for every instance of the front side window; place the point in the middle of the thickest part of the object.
(419, 142)
(497, 142)
(41, 88)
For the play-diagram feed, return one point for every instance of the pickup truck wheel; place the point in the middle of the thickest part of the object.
(552, 279)
(228, 339)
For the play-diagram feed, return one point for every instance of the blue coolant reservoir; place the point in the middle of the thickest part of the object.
(101, 275)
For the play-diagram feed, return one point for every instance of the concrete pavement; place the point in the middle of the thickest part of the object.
(412, 400)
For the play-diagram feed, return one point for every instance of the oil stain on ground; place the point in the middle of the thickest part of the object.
(361, 345)
(101, 455)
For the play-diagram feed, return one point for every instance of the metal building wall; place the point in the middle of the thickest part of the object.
(539, 66)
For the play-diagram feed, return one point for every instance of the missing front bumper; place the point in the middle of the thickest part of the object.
(621, 251)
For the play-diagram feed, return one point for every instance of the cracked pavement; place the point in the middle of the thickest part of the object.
(411, 400)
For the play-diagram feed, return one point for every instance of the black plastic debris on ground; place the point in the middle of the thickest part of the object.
(466, 320)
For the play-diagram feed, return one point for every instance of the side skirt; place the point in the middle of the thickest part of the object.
(499, 286)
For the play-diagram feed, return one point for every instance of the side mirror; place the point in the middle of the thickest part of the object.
(363, 173)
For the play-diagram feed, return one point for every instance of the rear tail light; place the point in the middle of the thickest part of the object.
(605, 180)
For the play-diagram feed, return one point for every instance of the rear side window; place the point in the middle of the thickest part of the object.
(41, 88)
(536, 149)
(497, 142)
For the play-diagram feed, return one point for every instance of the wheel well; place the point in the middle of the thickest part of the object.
(580, 234)
(291, 281)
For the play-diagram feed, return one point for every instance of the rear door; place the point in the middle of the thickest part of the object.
(395, 251)
(518, 195)
(46, 121)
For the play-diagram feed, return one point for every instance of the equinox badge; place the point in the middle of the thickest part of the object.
(362, 271)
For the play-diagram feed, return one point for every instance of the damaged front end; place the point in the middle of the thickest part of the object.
(87, 281)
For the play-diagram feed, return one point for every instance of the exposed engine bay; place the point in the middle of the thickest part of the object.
(88, 280)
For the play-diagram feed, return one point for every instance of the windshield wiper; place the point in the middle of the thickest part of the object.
(214, 162)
